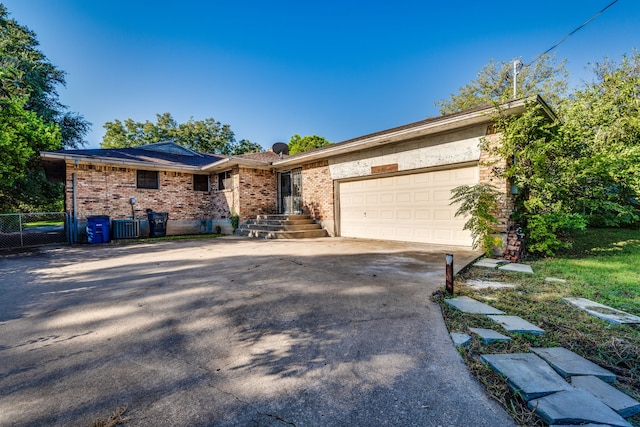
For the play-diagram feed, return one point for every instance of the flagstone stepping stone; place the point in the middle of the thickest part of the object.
(569, 364)
(623, 404)
(489, 335)
(469, 305)
(516, 325)
(554, 280)
(460, 339)
(581, 425)
(574, 407)
(484, 284)
(527, 374)
(601, 311)
(489, 263)
(518, 268)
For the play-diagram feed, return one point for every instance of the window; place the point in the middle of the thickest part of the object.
(147, 179)
(200, 182)
(224, 180)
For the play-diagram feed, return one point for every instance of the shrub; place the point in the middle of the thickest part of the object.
(480, 203)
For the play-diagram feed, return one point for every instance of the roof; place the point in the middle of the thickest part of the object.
(167, 154)
(430, 126)
(170, 156)
(263, 156)
(163, 155)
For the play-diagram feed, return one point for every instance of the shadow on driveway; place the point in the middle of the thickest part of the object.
(230, 331)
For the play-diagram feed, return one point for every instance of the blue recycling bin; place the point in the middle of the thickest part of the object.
(98, 229)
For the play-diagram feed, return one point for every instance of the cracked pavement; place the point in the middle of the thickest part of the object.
(229, 331)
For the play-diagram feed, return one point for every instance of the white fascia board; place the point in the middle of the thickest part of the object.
(230, 162)
(432, 127)
(117, 162)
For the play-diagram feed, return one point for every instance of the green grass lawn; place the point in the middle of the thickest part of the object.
(43, 223)
(604, 266)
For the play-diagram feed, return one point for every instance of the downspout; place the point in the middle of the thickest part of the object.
(74, 219)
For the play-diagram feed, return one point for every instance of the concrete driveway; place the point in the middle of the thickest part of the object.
(222, 332)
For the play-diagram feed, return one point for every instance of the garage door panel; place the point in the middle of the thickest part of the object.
(423, 178)
(413, 207)
(465, 174)
(404, 214)
(402, 180)
(403, 198)
(422, 214)
(387, 214)
(387, 198)
(422, 196)
(442, 215)
(442, 196)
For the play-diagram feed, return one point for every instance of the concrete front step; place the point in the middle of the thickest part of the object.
(282, 227)
(300, 221)
(277, 217)
(283, 234)
(279, 227)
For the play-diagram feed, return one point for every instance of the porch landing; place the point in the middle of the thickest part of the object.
(282, 227)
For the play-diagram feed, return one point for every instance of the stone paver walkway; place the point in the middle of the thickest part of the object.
(489, 335)
(527, 374)
(569, 364)
(542, 377)
(484, 284)
(611, 396)
(575, 407)
(469, 305)
(601, 311)
(503, 265)
(516, 325)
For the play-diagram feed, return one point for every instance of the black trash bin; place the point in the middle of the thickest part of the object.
(157, 223)
(98, 229)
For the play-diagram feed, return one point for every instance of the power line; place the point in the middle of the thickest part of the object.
(572, 32)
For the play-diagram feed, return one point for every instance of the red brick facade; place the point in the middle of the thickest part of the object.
(106, 190)
(490, 167)
(257, 192)
(317, 191)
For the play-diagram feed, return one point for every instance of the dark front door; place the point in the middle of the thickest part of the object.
(290, 192)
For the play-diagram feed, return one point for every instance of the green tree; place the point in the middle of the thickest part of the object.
(494, 85)
(582, 169)
(245, 146)
(541, 165)
(206, 136)
(22, 135)
(300, 144)
(602, 120)
(38, 78)
(30, 112)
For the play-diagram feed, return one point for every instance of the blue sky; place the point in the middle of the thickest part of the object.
(271, 69)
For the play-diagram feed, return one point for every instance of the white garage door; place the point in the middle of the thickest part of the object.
(410, 208)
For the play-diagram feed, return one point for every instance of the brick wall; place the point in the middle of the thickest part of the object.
(257, 192)
(491, 165)
(317, 190)
(106, 190)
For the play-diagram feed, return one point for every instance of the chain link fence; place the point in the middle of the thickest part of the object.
(33, 229)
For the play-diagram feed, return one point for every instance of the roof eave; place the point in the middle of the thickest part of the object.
(111, 161)
(433, 127)
(230, 162)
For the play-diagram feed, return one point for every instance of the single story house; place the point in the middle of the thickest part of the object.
(393, 185)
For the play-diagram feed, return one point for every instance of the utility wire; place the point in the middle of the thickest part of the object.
(572, 32)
